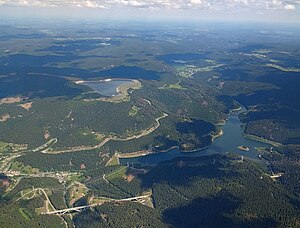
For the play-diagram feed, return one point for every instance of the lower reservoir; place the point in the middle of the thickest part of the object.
(229, 142)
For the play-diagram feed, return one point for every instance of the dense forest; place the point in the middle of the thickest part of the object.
(214, 191)
(285, 159)
(123, 215)
(74, 123)
(59, 140)
(273, 107)
(186, 134)
(25, 213)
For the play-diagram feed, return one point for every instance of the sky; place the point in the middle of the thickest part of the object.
(252, 10)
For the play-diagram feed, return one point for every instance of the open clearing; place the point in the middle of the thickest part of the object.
(4, 118)
(26, 106)
(11, 100)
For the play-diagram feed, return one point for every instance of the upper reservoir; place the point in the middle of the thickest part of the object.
(228, 142)
(107, 87)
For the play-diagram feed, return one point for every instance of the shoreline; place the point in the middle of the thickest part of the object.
(254, 137)
(236, 109)
(122, 90)
(78, 82)
(136, 154)
(218, 135)
(146, 153)
(214, 137)
(143, 153)
(263, 140)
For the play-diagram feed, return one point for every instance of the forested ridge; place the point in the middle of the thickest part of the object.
(214, 191)
(60, 140)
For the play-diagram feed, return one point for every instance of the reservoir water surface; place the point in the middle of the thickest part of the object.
(107, 87)
(228, 142)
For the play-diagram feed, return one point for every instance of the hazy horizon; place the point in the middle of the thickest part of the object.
(194, 10)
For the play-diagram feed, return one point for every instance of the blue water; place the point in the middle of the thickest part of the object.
(231, 139)
(106, 88)
(181, 57)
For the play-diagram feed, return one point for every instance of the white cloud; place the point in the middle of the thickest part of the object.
(196, 2)
(219, 5)
(289, 7)
(92, 4)
(24, 3)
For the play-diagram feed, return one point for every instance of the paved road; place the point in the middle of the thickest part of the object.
(77, 209)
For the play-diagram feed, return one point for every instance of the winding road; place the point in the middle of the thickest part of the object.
(110, 138)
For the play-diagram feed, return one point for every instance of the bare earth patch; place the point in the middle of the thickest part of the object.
(4, 118)
(11, 100)
(104, 217)
(76, 192)
(27, 106)
(47, 135)
(122, 91)
(4, 183)
(129, 177)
